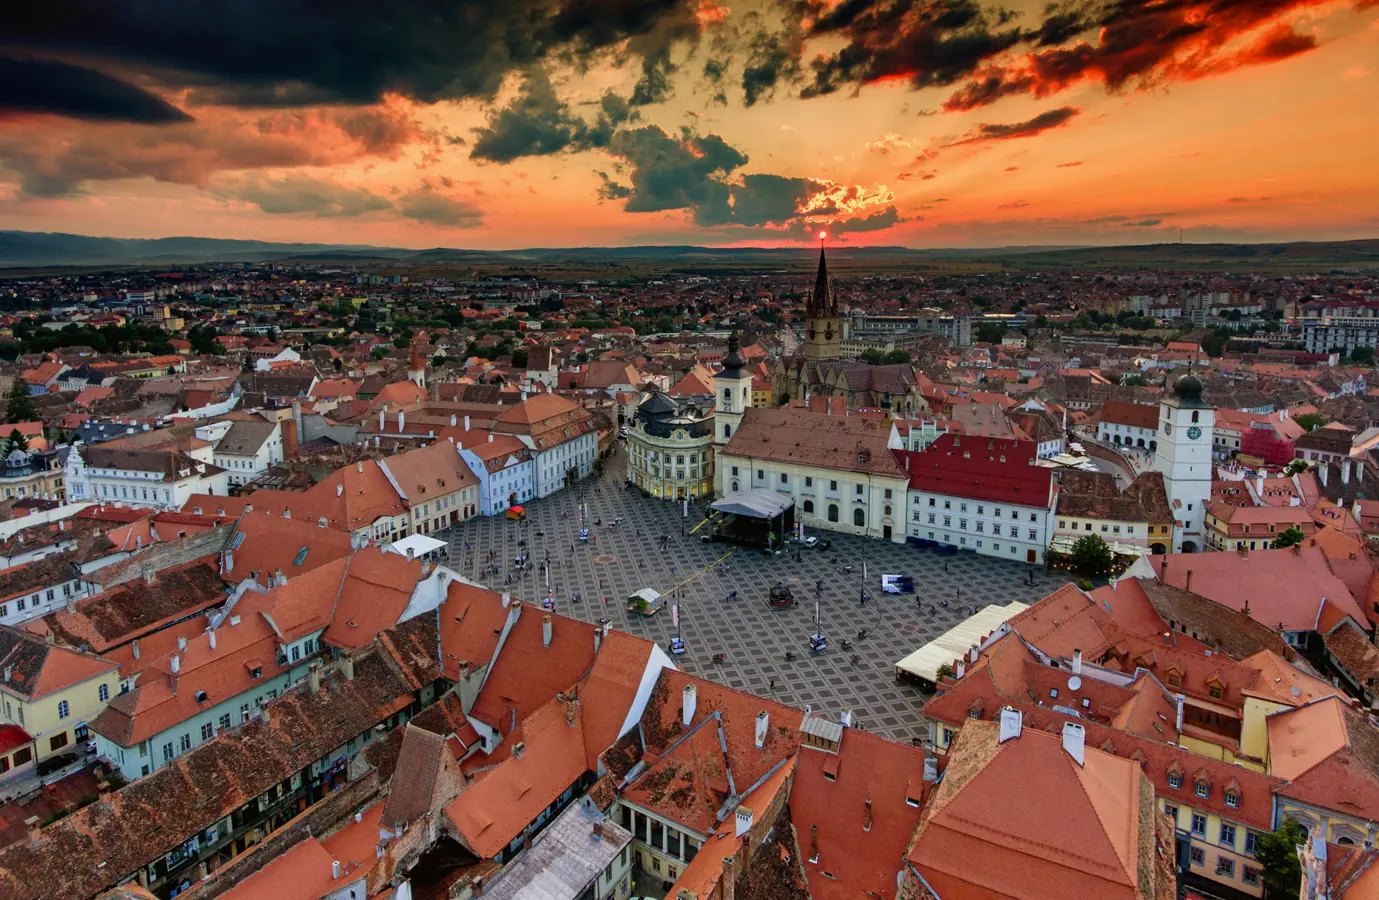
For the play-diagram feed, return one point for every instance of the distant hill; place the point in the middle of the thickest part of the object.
(37, 248)
(30, 250)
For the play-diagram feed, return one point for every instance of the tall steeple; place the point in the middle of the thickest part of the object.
(823, 332)
(821, 301)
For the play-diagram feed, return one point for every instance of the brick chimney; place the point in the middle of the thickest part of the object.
(35, 830)
(289, 430)
(866, 814)
(347, 667)
(688, 702)
(813, 843)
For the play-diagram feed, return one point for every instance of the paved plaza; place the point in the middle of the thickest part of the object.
(753, 637)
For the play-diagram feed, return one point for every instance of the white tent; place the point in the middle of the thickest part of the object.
(956, 641)
(419, 544)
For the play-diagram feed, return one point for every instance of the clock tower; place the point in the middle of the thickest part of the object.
(823, 330)
(1187, 425)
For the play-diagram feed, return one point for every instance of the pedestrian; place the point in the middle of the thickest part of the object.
(945, 568)
(773, 685)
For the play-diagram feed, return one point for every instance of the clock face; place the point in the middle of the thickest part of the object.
(1194, 433)
(1168, 428)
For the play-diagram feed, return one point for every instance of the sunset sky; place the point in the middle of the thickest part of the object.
(541, 123)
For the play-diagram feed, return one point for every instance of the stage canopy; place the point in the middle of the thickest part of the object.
(755, 504)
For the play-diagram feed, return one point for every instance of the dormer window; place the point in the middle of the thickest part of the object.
(1215, 691)
(201, 697)
(1203, 789)
(1175, 780)
(1232, 799)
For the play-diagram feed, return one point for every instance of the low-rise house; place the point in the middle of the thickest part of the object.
(1230, 527)
(37, 588)
(503, 465)
(52, 692)
(1133, 520)
(435, 485)
(1132, 425)
(248, 449)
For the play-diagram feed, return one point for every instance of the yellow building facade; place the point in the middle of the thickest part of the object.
(52, 692)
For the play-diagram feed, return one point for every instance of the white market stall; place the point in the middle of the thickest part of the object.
(957, 641)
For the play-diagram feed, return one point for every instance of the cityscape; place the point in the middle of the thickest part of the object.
(867, 450)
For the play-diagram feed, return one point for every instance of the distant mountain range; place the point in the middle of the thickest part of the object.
(30, 250)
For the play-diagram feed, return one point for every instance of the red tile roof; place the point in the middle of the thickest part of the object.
(987, 831)
(991, 469)
(863, 821)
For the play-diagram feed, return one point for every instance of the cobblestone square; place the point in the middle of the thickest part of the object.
(754, 638)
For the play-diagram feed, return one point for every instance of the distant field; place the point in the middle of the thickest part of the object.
(1280, 258)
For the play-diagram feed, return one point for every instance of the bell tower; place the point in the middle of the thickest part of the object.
(734, 394)
(823, 329)
(1187, 426)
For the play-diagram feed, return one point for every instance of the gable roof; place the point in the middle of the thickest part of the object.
(986, 832)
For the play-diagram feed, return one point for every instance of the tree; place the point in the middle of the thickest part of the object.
(1296, 467)
(1092, 556)
(1362, 356)
(20, 407)
(519, 358)
(990, 333)
(784, 398)
(1290, 536)
(16, 442)
(1310, 421)
(1277, 852)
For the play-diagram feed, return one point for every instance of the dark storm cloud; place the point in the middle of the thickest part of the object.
(925, 42)
(1140, 44)
(769, 199)
(45, 86)
(698, 174)
(538, 123)
(688, 172)
(877, 221)
(988, 131)
(296, 52)
(773, 58)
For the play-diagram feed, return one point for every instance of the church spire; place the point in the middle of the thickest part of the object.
(823, 297)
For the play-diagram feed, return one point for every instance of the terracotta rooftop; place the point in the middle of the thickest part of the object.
(986, 832)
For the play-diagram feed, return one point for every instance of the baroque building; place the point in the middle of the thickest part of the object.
(670, 448)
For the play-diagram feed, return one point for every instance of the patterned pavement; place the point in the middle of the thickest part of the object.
(753, 637)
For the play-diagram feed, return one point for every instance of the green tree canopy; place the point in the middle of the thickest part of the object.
(20, 407)
(1310, 421)
(1289, 537)
(990, 333)
(1278, 855)
(1091, 556)
(16, 442)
